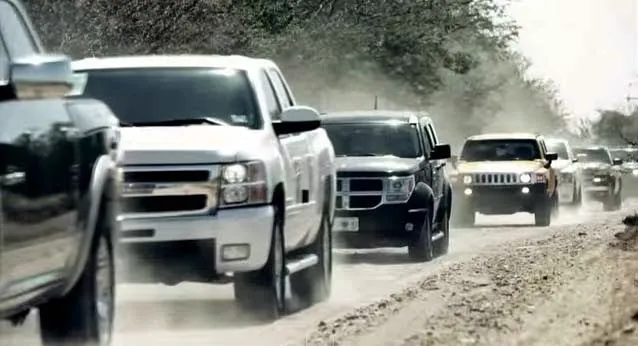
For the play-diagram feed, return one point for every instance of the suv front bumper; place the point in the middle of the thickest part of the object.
(499, 199)
(233, 240)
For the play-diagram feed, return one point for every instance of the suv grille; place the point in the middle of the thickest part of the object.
(169, 190)
(494, 178)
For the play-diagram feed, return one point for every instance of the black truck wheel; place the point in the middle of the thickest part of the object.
(421, 248)
(261, 293)
(85, 315)
(443, 243)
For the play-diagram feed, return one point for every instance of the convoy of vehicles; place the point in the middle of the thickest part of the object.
(57, 193)
(504, 173)
(392, 189)
(231, 176)
(205, 168)
(602, 176)
(570, 185)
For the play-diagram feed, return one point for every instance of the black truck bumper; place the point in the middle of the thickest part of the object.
(499, 199)
(391, 225)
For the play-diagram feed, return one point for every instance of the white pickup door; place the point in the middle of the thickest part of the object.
(301, 190)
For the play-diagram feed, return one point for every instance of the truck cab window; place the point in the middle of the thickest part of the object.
(274, 109)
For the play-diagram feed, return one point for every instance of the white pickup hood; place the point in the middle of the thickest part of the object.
(193, 144)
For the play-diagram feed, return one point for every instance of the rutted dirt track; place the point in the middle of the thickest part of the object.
(500, 285)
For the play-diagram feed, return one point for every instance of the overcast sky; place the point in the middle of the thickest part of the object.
(585, 46)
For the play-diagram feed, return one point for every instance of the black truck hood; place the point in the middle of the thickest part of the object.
(377, 164)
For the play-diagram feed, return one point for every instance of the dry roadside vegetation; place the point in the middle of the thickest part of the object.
(449, 57)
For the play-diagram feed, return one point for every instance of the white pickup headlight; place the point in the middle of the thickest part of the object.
(243, 183)
(399, 188)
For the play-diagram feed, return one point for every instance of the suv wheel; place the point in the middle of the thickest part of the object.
(422, 248)
(262, 292)
(613, 202)
(464, 218)
(85, 315)
(315, 284)
(543, 212)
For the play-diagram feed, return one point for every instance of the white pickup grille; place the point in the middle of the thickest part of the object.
(160, 191)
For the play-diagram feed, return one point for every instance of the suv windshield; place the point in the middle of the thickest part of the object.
(372, 139)
(500, 150)
(147, 95)
(593, 155)
(559, 148)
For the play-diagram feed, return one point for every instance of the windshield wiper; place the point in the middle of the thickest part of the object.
(187, 121)
(125, 124)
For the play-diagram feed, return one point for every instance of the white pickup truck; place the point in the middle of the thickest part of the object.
(222, 173)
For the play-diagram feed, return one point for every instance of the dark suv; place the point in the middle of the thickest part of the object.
(602, 176)
(57, 187)
(391, 186)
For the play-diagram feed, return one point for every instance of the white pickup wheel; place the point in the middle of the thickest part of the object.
(262, 293)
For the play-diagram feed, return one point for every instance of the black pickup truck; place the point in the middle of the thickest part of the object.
(391, 186)
(58, 184)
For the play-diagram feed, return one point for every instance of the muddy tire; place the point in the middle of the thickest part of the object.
(261, 293)
(85, 315)
(422, 248)
(315, 283)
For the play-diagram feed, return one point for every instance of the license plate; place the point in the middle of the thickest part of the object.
(346, 224)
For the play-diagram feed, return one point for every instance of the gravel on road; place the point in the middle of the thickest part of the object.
(502, 283)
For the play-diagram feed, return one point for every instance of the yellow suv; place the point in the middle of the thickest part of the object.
(502, 174)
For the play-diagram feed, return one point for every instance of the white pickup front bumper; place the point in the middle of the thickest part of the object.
(242, 236)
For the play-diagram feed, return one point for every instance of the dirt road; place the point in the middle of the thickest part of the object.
(501, 284)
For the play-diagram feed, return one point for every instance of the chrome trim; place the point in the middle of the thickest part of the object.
(345, 192)
(210, 188)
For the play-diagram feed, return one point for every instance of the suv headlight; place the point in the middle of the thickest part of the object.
(400, 188)
(525, 178)
(243, 183)
(467, 179)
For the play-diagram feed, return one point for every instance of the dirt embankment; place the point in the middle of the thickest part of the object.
(578, 287)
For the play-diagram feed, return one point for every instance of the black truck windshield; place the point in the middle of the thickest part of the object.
(593, 155)
(500, 150)
(143, 96)
(374, 139)
(559, 148)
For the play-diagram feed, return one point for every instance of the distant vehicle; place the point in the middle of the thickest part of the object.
(58, 190)
(505, 173)
(602, 176)
(222, 172)
(392, 188)
(629, 167)
(570, 185)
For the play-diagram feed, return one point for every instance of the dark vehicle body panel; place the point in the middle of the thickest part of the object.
(54, 160)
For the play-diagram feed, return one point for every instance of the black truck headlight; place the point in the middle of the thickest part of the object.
(399, 189)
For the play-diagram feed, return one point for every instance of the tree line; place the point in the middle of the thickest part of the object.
(451, 58)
